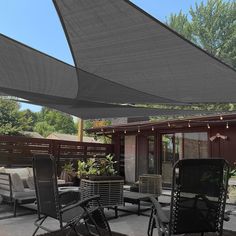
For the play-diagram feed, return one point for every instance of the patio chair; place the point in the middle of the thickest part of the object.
(64, 206)
(199, 189)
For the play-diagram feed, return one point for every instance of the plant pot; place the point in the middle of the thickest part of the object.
(110, 189)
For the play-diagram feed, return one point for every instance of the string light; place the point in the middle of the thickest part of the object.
(152, 128)
(221, 117)
(189, 125)
(227, 125)
(138, 129)
(113, 131)
(168, 124)
(125, 131)
(208, 126)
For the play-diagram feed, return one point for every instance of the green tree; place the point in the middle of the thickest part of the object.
(44, 128)
(180, 23)
(9, 117)
(28, 120)
(212, 26)
(54, 121)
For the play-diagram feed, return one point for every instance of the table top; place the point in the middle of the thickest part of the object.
(138, 196)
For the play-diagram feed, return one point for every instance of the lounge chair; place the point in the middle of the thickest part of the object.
(199, 189)
(64, 206)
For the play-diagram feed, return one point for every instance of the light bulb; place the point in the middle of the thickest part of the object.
(138, 129)
(221, 117)
(168, 124)
(189, 125)
(152, 128)
(125, 132)
(208, 126)
(113, 131)
(227, 125)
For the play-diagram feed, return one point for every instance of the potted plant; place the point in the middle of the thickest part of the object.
(99, 177)
(68, 172)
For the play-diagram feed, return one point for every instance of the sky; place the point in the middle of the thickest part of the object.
(35, 23)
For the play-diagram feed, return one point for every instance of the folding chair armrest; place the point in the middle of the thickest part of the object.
(159, 212)
(69, 197)
(81, 203)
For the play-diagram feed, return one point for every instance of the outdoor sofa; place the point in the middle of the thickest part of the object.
(17, 186)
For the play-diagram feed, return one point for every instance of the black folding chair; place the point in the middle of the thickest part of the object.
(65, 207)
(199, 189)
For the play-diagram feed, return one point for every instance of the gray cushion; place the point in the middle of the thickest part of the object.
(17, 183)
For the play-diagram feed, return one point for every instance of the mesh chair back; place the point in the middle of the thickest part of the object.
(45, 179)
(198, 195)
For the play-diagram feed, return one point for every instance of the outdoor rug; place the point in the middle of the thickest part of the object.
(81, 229)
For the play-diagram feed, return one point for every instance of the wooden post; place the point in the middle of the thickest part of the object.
(80, 130)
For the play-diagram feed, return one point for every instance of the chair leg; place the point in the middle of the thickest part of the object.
(14, 206)
(38, 226)
(150, 224)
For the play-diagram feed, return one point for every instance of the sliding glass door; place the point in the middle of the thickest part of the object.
(177, 146)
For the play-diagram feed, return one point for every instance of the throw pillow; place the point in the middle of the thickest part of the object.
(2, 170)
(30, 182)
(17, 183)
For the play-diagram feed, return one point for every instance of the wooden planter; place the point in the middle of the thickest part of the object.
(110, 189)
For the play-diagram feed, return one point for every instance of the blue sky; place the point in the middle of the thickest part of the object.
(35, 23)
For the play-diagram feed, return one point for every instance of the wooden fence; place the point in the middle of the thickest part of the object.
(18, 151)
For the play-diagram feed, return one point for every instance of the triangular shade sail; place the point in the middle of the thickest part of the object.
(93, 110)
(119, 42)
(23, 68)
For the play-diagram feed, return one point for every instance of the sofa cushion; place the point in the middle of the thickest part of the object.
(17, 183)
(22, 172)
(26, 193)
(30, 169)
(30, 182)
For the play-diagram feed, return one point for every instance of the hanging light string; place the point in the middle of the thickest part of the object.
(170, 124)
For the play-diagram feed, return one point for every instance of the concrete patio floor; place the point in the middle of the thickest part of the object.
(131, 225)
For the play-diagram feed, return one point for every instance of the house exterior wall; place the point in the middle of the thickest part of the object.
(218, 148)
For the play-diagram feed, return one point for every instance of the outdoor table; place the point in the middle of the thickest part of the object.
(136, 198)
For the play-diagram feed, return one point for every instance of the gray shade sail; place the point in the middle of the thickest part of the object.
(93, 110)
(27, 69)
(119, 42)
(121, 55)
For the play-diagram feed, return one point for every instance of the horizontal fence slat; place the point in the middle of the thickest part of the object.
(18, 151)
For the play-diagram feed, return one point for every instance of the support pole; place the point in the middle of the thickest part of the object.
(80, 130)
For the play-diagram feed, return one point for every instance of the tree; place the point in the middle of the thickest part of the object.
(181, 24)
(212, 26)
(9, 117)
(28, 120)
(44, 128)
(50, 120)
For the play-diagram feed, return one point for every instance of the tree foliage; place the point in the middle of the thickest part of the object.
(212, 26)
(54, 121)
(13, 120)
(9, 118)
